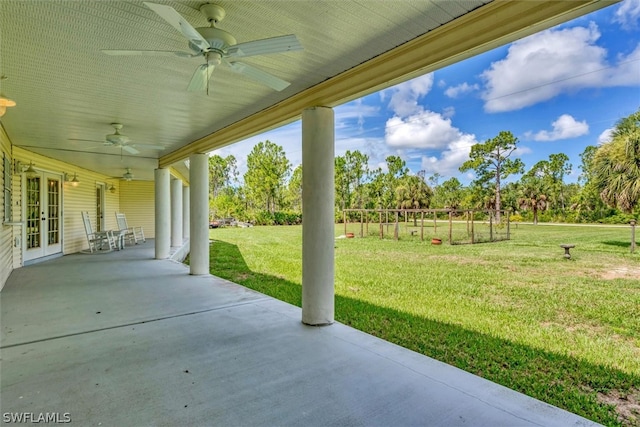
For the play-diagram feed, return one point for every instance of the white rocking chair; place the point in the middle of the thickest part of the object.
(133, 234)
(98, 240)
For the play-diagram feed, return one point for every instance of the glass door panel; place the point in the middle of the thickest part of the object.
(43, 224)
(33, 222)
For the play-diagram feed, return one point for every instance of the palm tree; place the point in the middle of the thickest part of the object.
(532, 195)
(616, 165)
(413, 193)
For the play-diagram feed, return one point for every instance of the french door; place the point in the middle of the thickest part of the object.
(42, 213)
(100, 207)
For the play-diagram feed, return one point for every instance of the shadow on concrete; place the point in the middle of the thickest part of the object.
(562, 381)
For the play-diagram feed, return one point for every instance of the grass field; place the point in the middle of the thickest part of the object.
(516, 312)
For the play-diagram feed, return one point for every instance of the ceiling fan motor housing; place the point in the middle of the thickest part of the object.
(218, 39)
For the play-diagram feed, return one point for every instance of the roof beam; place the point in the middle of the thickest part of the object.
(485, 28)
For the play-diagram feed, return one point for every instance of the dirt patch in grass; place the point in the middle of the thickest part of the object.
(627, 405)
(623, 272)
(242, 276)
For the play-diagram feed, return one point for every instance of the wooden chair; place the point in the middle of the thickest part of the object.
(133, 234)
(97, 240)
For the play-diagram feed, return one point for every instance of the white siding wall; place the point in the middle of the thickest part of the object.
(74, 199)
(137, 202)
(135, 199)
(6, 231)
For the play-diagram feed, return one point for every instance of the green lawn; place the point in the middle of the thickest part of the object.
(516, 312)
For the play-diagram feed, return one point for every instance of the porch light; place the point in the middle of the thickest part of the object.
(30, 171)
(74, 181)
(112, 188)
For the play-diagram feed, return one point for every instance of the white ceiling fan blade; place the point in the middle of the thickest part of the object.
(176, 20)
(288, 43)
(258, 75)
(200, 77)
(129, 149)
(147, 53)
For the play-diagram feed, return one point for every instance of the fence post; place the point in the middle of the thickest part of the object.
(386, 220)
(435, 222)
(381, 227)
(451, 227)
(422, 226)
(395, 231)
(508, 225)
(366, 224)
(633, 235)
(472, 232)
(361, 223)
(490, 227)
(344, 221)
(467, 223)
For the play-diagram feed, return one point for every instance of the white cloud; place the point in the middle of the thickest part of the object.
(455, 91)
(450, 159)
(425, 129)
(404, 98)
(428, 130)
(521, 150)
(355, 110)
(627, 73)
(605, 136)
(628, 14)
(552, 62)
(448, 112)
(565, 127)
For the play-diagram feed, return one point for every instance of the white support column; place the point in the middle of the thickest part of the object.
(318, 230)
(185, 212)
(176, 213)
(163, 214)
(199, 222)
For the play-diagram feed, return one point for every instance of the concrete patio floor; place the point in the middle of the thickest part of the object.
(121, 339)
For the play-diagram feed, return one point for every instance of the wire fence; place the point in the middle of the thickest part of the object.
(452, 226)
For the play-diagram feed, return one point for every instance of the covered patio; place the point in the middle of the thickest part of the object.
(133, 338)
(125, 340)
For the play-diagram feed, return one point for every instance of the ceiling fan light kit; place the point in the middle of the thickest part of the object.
(4, 101)
(116, 138)
(128, 176)
(216, 46)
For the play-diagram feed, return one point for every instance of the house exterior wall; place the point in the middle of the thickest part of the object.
(138, 205)
(6, 231)
(74, 199)
(137, 202)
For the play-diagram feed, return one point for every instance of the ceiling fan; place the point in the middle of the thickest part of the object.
(217, 46)
(117, 139)
(127, 176)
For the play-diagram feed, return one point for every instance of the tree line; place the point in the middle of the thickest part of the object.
(608, 188)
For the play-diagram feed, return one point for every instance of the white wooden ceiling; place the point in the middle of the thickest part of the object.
(66, 88)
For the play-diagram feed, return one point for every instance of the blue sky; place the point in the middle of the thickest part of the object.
(557, 91)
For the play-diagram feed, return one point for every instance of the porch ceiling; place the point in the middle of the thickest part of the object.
(66, 88)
